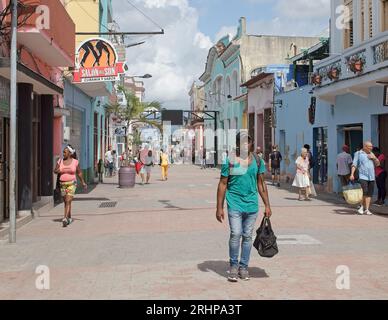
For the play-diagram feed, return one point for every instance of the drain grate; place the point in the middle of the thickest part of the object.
(110, 204)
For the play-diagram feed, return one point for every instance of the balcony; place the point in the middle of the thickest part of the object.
(355, 71)
(54, 45)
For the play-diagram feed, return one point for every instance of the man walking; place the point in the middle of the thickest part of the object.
(366, 162)
(242, 177)
(275, 159)
(109, 160)
(344, 165)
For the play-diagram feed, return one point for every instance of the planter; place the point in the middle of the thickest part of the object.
(333, 74)
(127, 177)
(317, 79)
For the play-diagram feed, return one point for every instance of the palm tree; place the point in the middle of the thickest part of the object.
(134, 112)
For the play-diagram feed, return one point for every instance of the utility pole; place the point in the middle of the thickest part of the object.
(13, 129)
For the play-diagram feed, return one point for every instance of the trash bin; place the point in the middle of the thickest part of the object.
(127, 177)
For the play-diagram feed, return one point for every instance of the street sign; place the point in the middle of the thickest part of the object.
(96, 61)
(120, 131)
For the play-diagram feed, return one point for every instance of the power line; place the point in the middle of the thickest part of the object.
(146, 16)
(84, 10)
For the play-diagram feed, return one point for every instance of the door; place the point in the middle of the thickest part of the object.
(36, 152)
(4, 173)
(383, 139)
(320, 154)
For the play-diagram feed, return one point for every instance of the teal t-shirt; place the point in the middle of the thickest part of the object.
(242, 193)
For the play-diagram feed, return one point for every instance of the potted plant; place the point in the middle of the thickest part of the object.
(334, 73)
(317, 79)
(356, 64)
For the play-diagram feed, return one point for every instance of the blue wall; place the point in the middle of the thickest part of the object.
(348, 109)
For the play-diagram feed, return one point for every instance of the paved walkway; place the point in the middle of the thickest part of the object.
(161, 241)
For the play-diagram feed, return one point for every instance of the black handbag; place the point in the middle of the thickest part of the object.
(265, 241)
(57, 191)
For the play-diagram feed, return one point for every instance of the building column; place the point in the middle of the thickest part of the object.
(24, 145)
(47, 145)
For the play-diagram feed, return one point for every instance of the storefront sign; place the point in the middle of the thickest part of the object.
(96, 61)
(4, 97)
(386, 96)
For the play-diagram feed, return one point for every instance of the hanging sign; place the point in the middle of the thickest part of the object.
(96, 61)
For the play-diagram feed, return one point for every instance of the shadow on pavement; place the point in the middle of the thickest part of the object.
(90, 199)
(347, 212)
(221, 268)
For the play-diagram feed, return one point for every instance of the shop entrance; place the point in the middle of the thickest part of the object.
(383, 137)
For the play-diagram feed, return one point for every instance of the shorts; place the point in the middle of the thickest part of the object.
(275, 171)
(146, 169)
(68, 188)
(368, 187)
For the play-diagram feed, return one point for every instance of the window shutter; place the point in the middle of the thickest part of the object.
(370, 14)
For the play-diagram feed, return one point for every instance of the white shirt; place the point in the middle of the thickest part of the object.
(109, 156)
(343, 161)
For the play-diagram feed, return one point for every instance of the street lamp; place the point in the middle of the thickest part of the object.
(146, 76)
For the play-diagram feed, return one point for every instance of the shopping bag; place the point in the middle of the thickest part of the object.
(353, 193)
(265, 241)
(138, 167)
(312, 189)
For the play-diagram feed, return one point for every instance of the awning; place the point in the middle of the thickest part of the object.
(25, 75)
(94, 89)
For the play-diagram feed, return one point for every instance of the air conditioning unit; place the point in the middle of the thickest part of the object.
(66, 134)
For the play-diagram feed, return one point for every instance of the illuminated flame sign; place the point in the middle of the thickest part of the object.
(97, 60)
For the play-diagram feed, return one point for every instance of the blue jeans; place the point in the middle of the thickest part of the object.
(241, 225)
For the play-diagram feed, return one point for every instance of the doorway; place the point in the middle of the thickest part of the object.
(320, 153)
(383, 137)
(4, 169)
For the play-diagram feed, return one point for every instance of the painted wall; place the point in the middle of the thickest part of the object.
(349, 109)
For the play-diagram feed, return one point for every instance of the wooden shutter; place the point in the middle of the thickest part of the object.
(370, 14)
(362, 20)
(349, 32)
(385, 15)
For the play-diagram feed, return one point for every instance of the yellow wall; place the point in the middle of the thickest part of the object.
(85, 14)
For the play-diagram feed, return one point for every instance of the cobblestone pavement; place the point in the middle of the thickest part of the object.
(161, 241)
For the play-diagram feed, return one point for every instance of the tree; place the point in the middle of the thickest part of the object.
(134, 112)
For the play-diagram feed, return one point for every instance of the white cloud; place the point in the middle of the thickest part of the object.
(174, 59)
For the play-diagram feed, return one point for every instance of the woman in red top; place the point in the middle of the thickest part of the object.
(68, 168)
(381, 177)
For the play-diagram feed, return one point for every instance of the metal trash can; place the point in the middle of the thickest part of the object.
(127, 177)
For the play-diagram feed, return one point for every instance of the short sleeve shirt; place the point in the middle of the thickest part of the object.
(343, 161)
(242, 192)
(365, 166)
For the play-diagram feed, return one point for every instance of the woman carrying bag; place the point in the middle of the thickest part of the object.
(302, 178)
(68, 169)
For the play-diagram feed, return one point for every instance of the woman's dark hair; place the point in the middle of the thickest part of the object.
(376, 151)
(307, 146)
(74, 155)
(150, 153)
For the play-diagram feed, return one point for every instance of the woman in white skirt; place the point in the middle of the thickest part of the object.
(302, 178)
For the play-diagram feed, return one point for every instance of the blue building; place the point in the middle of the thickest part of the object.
(346, 95)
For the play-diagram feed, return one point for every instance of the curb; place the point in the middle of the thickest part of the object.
(22, 221)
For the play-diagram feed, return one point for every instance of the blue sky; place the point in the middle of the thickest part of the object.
(214, 14)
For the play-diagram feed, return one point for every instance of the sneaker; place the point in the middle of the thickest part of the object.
(233, 274)
(243, 274)
(65, 222)
(70, 221)
(361, 210)
(368, 213)
(278, 185)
